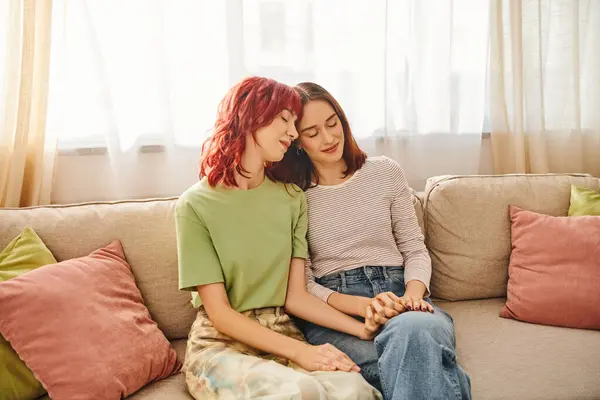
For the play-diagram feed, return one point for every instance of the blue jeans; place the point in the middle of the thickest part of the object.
(413, 357)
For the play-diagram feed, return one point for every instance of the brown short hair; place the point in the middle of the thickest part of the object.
(296, 167)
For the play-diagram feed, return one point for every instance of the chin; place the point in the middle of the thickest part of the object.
(330, 159)
(276, 157)
(333, 158)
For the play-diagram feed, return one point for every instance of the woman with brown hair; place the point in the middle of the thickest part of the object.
(367, 255)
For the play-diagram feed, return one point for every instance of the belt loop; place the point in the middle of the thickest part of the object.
(385, 273)
(366, 272)
(343, 278)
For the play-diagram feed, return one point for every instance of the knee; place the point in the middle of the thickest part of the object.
(415, 325)
(363, 388)
(416, 321)
(333, 385)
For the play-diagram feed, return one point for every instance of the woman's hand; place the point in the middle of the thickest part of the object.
(371, 328)
(413, 297)
(386, 306)
(379, 311)
(415, 303)
(325, 357)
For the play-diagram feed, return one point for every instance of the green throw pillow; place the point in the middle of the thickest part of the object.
(25, 253)
(584, 202)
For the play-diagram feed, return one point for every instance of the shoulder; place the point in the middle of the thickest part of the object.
(383, 164)
(290, 191)
(290, 195)
(193, 200)
(388, 172)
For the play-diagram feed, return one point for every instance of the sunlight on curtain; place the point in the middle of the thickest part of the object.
(437, 52)
(140, 71)
(148, 72)
(545, 81)
(336, 43)
(152, 70)
(436, 74)
(27, 150)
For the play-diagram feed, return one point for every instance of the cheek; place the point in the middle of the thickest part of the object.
(311, 145)
(267, 137)
(261, 135)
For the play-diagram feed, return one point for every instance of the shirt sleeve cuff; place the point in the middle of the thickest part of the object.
(321, 292)
(188, 286)
(419, 273)
(300, 252)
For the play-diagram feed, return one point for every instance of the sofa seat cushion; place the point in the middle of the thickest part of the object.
(172, 388)
(509, 359)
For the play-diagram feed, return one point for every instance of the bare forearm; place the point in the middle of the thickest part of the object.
(244, 330)
(312, 309)
(415, 288)
(348, 304)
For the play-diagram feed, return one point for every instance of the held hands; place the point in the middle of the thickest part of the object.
(386, 306)
(325, 357)
(379, 311)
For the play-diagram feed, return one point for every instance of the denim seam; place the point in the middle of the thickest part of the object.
(450, 356)
(379, 350)
(370, 281)
(385, 274)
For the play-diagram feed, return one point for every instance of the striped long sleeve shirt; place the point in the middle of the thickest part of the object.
(368, 220)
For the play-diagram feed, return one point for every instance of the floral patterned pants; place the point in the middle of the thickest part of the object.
(219, 367)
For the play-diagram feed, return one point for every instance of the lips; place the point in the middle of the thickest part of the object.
(285, 144)
(331, 149)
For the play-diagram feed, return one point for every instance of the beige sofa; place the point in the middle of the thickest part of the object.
(467, 229)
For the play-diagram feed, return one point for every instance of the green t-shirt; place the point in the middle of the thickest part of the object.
(243, 238)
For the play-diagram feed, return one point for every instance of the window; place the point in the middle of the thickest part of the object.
(124, 74)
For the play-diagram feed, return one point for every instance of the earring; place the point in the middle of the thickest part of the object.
(299, 150)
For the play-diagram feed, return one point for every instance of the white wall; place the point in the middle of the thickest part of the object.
(81, 178)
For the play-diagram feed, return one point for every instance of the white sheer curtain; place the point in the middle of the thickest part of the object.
(436, 75)
(411, 74)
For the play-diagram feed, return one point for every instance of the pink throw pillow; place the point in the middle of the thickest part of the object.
(82, 328)
(554, 270)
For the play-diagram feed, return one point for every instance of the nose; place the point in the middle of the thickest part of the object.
(292, 132)
(327, 136)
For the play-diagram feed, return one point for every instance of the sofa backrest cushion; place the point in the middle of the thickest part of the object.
(467, 226)
(145, 228)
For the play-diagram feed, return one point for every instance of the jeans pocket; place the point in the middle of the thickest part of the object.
(396, 274)
(332, 284)
(359, 288)
(396, 280)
